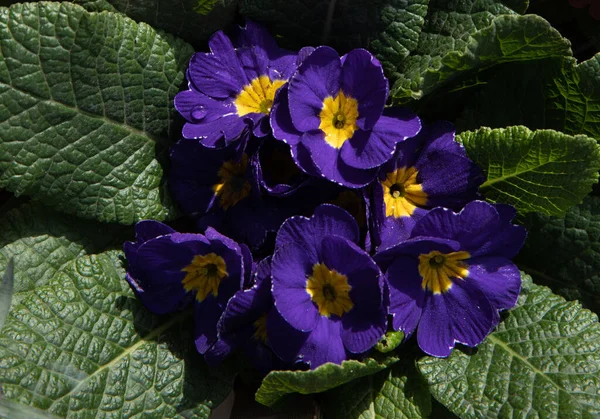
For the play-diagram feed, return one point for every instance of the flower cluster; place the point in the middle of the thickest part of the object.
(322, 218)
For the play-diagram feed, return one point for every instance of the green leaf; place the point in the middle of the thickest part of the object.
(42, 241)
(6, 291)
(193, 20)
(86, 140)
(448, 27)
(543, 360)
(83, 346)
(389, 28)
(509, 38)
(543, 171)
(397, 392)
(281, 383)
(13, 410)
(554, 93)
(564, 253)
(96, 5)
(389, 341)
(204, 7)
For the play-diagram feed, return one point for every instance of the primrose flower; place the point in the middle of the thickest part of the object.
(233, 86)
(325, 286)
(275, 170)
(332, 115)
(168, 270)
(244, 324)
(217, 186)
(204, 179)
(450, 279)
(427, 171)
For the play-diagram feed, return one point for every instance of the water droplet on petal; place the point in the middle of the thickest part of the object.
(198, 113)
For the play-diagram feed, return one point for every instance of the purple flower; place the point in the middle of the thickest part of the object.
(450, 279)
(330, 113)
(275, 170)
(325, 286)
(204, 179)
(233, 86)
(167, 270)
(244, 324)
(427, 171)
(217, 186)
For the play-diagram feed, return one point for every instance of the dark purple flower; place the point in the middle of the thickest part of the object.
(204, 179)
(233, 86)
(167, 270)
(450, 279)
(217, 186)
(275, 170)
(325, 286)
(427, 171)
(330, 113)
(244, 324)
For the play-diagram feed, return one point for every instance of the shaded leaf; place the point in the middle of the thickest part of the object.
(388, 28)
(564, 253)
(543, 360)
(193, 20)
(536, 171)
(204, 7)
(86, 140)
(509, 38)
(448, 27)
(554, 93)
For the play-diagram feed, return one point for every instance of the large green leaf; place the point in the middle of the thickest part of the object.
(555, 93)
(389, 28)
(564, 253)
(83, 346)
(192, 20)
(542, 361)
(87, 108)
(397, 392)
(281, 383)
(448, 28)
(509, 38)
(42, 241)
(536, 171)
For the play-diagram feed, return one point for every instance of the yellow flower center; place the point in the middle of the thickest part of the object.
(401, 192)
(329, 290)
(338, 119)
(204, 275)
(438, 269)
(233, 186)
(261, 328)
(258, 96)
